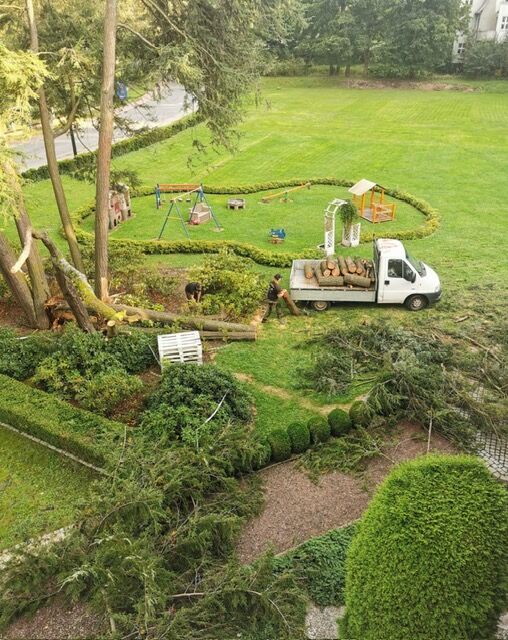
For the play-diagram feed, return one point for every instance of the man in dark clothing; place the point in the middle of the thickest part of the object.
(193, 291)
(273, 295)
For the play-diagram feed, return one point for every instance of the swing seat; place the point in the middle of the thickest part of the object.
(199, 214)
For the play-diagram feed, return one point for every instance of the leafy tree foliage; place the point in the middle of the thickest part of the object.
(485, 58)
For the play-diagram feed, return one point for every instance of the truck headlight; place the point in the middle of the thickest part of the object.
(437, 288)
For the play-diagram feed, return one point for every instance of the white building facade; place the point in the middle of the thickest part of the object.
(489, 21)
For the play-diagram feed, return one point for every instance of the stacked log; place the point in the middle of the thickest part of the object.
(308, 271)
(345, 271)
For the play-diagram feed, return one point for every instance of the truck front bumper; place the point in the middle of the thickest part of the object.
(434, 297)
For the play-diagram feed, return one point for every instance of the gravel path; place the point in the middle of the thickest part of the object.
(296, 509)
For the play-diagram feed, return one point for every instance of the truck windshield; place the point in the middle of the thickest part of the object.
(416, 264)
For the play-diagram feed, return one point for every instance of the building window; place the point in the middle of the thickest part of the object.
(504, 23)
(461, 47)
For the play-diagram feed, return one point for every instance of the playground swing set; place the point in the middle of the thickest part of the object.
(200, 212)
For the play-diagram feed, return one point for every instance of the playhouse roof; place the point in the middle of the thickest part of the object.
(361, 187)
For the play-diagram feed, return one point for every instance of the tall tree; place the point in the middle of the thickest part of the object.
(21, 74)
(104, 151)
(49, 145)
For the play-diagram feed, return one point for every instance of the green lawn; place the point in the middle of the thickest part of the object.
(446, 147)
(301, 217)
(39, 490)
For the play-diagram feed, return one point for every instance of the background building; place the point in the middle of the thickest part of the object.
(489, 21)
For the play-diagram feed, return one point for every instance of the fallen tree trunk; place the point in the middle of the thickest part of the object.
(295, 311)
(357, 281)
(193, 322)
(205, 335)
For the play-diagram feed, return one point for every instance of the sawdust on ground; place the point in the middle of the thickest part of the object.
(296, 509)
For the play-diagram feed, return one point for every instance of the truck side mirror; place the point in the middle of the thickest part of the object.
(413, 276)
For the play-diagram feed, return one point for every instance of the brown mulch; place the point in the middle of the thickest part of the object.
(408, 84)
(58, 621)
(296, 509)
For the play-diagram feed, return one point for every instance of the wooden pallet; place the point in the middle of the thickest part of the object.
(180, 348)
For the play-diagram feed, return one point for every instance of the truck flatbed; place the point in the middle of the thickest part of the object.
(302, 288)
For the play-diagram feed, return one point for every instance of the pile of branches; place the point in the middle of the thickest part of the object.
(426, 377)
(154, 550)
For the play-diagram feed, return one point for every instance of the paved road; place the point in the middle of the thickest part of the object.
(145, 112)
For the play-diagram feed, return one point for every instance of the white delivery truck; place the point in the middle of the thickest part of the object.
(398, 279)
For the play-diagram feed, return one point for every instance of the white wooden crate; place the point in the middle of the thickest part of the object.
(180, 347)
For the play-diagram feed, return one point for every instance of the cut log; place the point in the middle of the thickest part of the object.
(331, 281)
(192, 322)
(111, 329)
(228, 336)
(295, 311)
(342, 265)
(325, 271)
(357, 281)
(330, 264)
(351, 267)
(359, 267)
(335, 272)
(308, 271)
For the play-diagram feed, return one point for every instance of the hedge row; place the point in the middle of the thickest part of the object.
(257, 254)
(300, 436)
(139, 141)
(86, 435)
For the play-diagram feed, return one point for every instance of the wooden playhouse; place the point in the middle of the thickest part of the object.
(370, 202)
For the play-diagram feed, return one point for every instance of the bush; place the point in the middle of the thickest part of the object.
(299, 435)
(320, 565)
(484, 58)
(280, 445)
(340, 422)
(133, 350)
(429, 559)
(84, 434)
(359, 414)
(230, 286)
(19, 357)
(104, 392)
(188, 395)
(319, 429)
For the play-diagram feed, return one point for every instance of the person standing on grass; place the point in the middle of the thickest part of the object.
(273, 295)
(193, 291)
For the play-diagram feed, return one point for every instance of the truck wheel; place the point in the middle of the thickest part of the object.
(416, 303)
(320, 305)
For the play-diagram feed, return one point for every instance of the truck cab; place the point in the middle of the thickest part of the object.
(403, 279)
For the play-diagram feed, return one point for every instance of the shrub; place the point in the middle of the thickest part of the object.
(429, 559)
(189, 394)
(57, 374)
(359, 414)
(319, 429)
(133, 350)
(320, 565)
(106, 390)
(84, 434)
(231, 287)
(19, 357)
(340, 422)
(280, 445)
(299, 435)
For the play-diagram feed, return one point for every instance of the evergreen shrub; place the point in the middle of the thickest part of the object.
(319, 429)
(340, 422)
(88, 436)
(359, 414)
(429, 559)
(299, 436)
(280, 445)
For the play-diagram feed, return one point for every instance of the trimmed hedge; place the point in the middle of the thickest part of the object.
(299, 435)
(429, 559)
(319, 429)
(340, 422)
(88, 436)
(280, 445)
(261, 256)
(359, 414)
(139, 141)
